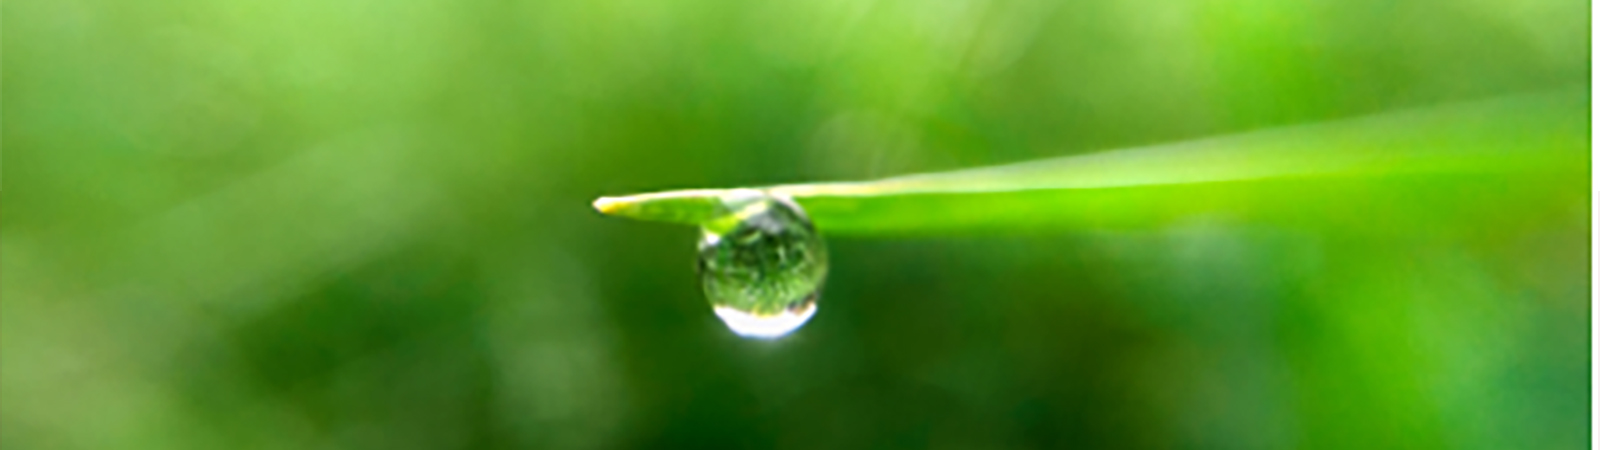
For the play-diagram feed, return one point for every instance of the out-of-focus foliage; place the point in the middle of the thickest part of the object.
(353, 224)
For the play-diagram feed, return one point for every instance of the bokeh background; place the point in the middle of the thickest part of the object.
(363, 224)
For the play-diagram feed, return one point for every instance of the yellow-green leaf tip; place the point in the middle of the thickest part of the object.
(609, 205)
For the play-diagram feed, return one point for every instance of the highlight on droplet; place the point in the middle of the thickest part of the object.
(768, 326)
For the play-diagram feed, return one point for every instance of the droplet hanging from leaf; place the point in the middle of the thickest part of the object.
(762, 264)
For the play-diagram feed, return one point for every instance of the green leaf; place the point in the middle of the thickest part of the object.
(1499, 162)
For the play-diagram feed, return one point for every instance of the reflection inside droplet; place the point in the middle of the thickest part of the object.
(762, 264)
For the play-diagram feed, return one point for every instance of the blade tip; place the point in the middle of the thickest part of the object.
(608, 205)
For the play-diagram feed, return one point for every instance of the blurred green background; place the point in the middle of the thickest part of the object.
(363, 224)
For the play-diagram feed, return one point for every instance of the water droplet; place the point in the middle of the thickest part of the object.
(762, 265)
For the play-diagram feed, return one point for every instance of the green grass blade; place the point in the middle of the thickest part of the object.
(689, 207)
(1425, 167)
